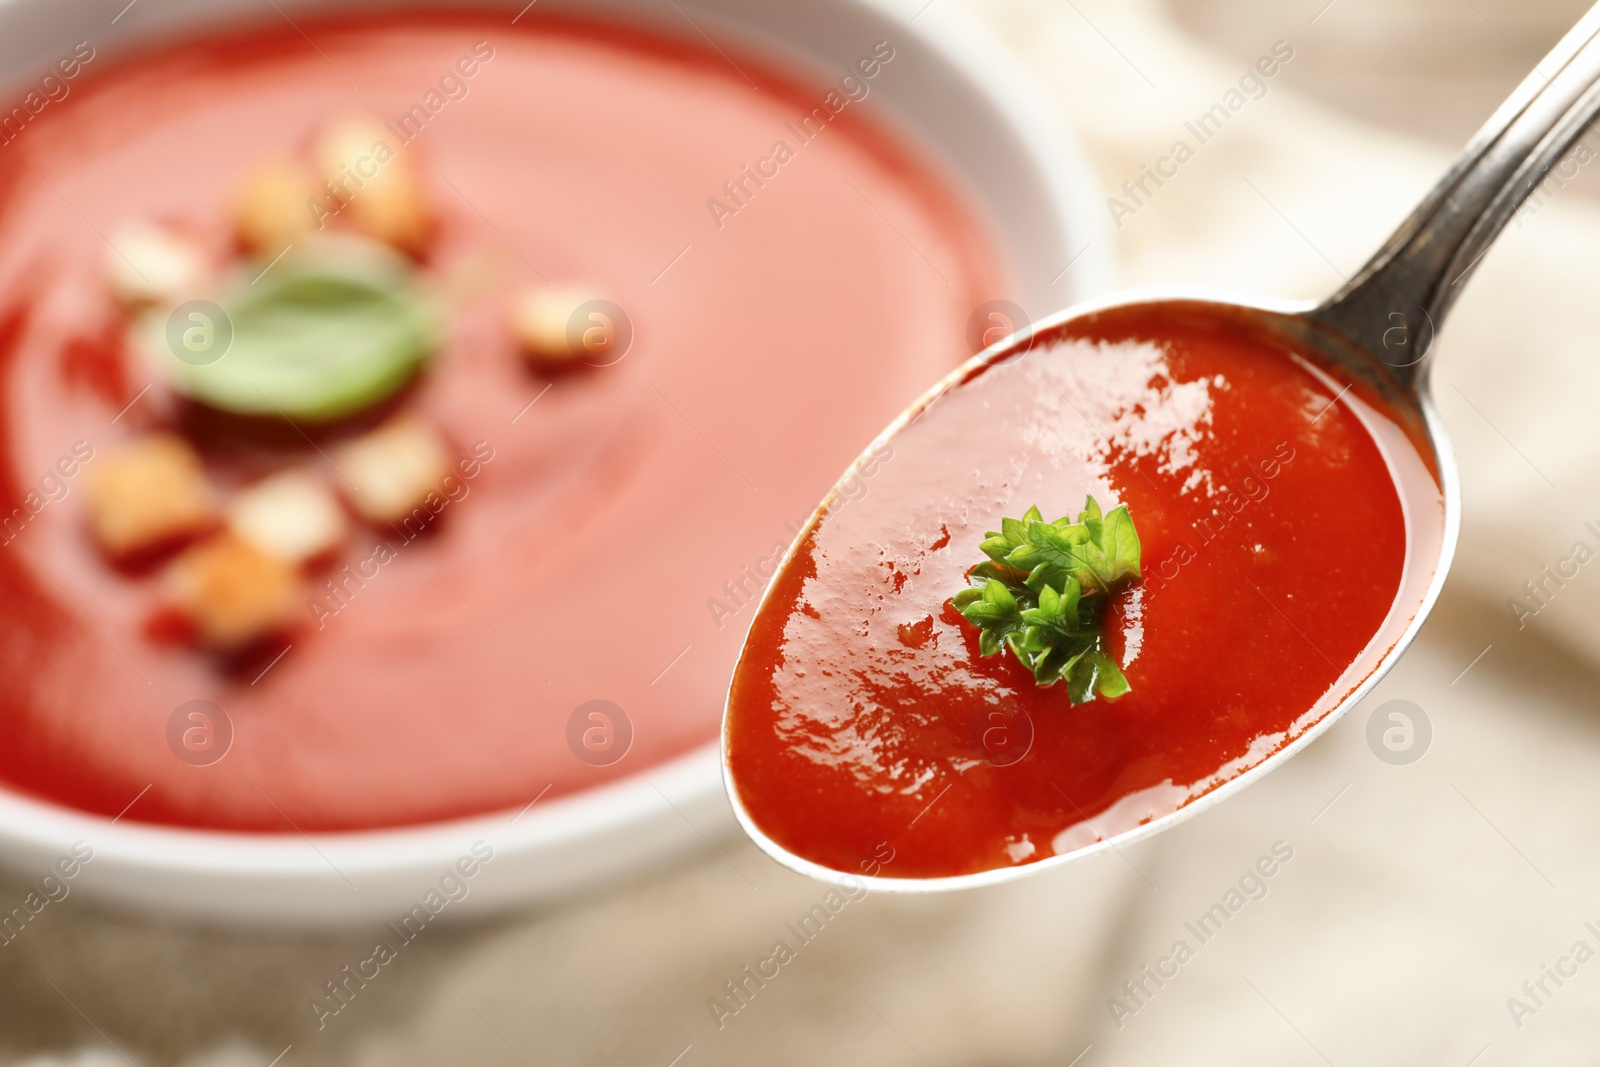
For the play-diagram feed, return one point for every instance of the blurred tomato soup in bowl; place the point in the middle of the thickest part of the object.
(775, 259)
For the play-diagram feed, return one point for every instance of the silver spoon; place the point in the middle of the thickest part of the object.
(1377, 330)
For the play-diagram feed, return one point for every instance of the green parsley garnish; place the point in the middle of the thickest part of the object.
(1043, 591)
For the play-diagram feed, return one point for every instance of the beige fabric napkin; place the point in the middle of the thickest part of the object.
(1406, 906)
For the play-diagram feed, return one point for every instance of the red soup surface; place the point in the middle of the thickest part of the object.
(609, 550)
(861, 712)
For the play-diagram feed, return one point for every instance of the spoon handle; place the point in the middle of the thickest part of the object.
(1396, 302)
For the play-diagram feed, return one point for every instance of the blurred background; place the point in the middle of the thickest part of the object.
(1425, 894)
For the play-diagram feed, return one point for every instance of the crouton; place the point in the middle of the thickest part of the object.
(292, 516)
(232, 592)
(381, 192)
(151, 495)
(275, 207)
(147, 264)
(541, 317)
(392, 470)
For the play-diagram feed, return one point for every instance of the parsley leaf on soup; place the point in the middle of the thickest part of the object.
(1042, 593)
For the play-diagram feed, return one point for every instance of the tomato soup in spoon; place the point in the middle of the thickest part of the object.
(1274, 545)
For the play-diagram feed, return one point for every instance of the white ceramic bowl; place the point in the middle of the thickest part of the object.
(953, 89)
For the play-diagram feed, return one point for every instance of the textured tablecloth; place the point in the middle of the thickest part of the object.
(1412, 910)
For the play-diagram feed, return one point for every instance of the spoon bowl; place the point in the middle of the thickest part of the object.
(1370, 346)
(1417, 461)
